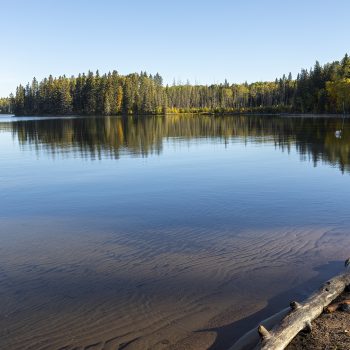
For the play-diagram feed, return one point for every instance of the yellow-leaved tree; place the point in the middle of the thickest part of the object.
(339, 94)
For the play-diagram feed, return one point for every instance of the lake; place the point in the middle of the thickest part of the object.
(165, 232)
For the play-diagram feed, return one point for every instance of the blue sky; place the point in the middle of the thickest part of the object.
(203, 41)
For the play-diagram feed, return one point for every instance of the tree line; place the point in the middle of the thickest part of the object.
(321, 89)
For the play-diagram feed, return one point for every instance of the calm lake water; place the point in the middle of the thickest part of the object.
(177, 232)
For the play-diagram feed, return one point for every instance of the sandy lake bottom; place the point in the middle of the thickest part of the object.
(177, 232)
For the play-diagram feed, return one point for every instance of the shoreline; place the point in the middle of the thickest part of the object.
(330, 328)
(305, 115)
(326, 309)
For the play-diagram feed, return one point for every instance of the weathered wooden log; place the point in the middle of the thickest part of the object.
(301, 315)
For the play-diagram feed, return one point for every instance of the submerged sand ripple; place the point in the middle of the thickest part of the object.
(78, 289)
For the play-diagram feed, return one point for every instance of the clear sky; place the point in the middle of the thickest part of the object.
(200, 40)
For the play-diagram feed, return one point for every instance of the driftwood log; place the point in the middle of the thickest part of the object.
(300, 316)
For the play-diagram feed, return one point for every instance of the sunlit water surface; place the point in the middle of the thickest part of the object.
(177, 232)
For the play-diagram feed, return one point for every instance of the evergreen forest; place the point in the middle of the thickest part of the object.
(320, 89)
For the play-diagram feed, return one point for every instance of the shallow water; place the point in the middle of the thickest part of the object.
(177, 232)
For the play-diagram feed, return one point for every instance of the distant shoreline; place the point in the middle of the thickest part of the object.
(307, 115)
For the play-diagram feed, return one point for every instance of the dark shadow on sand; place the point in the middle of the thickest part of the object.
(227, 335)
